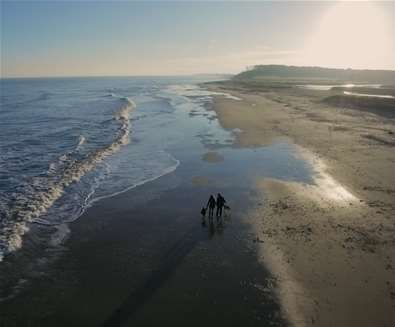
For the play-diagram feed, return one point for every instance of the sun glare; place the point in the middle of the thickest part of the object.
(350, 35)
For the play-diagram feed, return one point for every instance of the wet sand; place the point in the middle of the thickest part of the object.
(149, 264)
(330, 244)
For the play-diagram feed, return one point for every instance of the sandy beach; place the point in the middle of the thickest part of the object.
(330, 243)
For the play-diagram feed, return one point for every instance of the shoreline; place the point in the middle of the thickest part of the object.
(330, 244)
(144, 257)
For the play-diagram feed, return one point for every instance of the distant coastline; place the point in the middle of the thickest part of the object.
(317, 73)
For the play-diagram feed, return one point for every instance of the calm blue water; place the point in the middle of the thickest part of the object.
(66, 143)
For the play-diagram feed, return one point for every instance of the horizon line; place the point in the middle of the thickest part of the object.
(94, 76)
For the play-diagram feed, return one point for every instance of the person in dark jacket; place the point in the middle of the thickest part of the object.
(211, 206)
(220, 204)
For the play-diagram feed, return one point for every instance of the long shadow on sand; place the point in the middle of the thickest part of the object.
(141, 295)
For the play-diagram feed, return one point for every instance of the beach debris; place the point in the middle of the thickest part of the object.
(280, 204)
(258, 240)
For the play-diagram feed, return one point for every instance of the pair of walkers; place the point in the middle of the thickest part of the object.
(212, 203)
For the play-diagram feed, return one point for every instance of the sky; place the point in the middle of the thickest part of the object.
(110, 38)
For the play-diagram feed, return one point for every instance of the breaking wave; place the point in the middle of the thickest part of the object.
(41, 193)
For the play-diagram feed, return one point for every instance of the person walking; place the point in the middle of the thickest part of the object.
(220, 204)
(211, 206)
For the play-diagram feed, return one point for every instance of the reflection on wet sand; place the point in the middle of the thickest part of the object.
(324, 186)
(330, 188)
(216, 225)
(369, 95)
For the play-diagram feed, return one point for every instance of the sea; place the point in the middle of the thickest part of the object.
(66, 143)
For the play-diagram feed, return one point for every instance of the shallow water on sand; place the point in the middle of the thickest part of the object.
(369, 95)
(322, 87)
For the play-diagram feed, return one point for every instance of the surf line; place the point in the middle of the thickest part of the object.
(29, 207)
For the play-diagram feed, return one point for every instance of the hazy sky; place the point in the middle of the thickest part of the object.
(75, 38)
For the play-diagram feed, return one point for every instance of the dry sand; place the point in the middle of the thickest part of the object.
(331, 244)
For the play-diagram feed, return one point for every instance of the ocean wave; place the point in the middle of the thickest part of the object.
(55, 166)
(42, 192)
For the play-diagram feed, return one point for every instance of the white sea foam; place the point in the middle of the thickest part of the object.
(55, 166)
(43, 192)
(81, 141)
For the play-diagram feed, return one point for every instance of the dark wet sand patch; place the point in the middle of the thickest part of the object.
(212, 157)
(200, 181)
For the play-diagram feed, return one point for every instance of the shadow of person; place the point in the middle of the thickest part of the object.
(172, 258)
